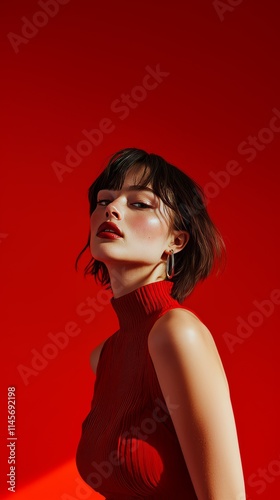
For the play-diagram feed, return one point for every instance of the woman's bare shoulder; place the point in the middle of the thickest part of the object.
(181, 330)
(177, 322)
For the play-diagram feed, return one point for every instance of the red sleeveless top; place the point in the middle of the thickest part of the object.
(129, 448)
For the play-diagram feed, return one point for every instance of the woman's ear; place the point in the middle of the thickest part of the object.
(180, 239)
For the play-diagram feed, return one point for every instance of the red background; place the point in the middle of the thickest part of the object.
(222, 86)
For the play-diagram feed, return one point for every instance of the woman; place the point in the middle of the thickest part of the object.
(161, 424)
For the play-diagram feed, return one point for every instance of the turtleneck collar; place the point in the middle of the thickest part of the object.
(144, 301)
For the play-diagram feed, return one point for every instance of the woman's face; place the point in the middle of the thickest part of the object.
(141, 219)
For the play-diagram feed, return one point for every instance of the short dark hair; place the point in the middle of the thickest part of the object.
(185, 197)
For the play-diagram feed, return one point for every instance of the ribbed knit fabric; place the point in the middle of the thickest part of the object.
(129, 448)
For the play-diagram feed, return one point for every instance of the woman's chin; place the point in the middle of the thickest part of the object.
(105, 255)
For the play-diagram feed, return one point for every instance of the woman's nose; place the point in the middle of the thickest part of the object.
(112, 211)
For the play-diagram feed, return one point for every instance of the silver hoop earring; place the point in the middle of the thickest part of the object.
(170, 265)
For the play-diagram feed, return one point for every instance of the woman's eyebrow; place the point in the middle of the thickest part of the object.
(139, 187)
(134, 187)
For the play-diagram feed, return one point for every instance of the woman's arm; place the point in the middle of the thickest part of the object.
(191, 375)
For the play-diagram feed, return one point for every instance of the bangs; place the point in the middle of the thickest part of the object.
(154, 172)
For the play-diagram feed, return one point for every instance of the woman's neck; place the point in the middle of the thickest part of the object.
(126, 277)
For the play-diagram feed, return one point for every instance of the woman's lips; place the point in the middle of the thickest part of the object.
(108, 235)
(109, 230)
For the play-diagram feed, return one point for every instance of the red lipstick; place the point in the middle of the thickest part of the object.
(109, 230)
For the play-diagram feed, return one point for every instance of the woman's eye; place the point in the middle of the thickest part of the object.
(138, 204)
(103, 203)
